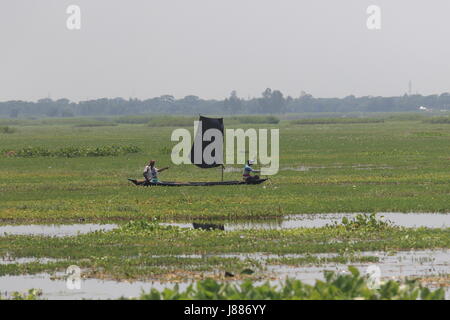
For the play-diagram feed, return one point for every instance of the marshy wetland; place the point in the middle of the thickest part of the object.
(65, 200)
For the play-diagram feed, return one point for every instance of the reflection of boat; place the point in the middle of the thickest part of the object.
(208, 226)
(206, 124)
(194, 184)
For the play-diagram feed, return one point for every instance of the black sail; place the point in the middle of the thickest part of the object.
(207, 123)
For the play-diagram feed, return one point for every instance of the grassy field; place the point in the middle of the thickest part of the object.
(388, 165)
(391, 166)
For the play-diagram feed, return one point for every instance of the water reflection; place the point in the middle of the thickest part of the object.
(208, 226)
(318, 220)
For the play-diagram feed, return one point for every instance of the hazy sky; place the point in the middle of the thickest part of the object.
(146, 48)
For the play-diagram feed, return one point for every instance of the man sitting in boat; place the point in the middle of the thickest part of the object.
(151, 172)
(248, 170)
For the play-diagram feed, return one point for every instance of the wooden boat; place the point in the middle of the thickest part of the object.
(207, 123)
(144, 183)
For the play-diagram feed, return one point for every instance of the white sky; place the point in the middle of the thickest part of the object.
(146, 48)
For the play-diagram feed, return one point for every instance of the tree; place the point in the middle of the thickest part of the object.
(233, 104)
(52, 112)
(278, 101)
(14, 113)
(272, 101)
(67, 113)
(167, 98)
(190, 99)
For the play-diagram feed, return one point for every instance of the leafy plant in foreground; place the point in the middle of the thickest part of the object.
(349, 286)
(32, 294)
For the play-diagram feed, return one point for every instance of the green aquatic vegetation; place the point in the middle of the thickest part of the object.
(134, 119)
(253, 119)
(366, 222)
(143, 226)
(147, 250)
(39, 267)
(32, 294)
(438, 120)
(314, 260)
(372, 167)
(7, 129)
(378, 167)
(95, 124)
(431, 134)
(141, 266)
(171, 121)
(350, 286)
(322, 121)
(73, 152)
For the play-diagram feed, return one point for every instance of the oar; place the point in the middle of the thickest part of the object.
(266, 177)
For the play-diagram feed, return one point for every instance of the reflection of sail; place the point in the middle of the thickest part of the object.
(199, 145)
(208, 226)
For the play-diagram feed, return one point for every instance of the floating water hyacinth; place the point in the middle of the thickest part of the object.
(72, 152)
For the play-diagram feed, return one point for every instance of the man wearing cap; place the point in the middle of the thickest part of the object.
(248, 170)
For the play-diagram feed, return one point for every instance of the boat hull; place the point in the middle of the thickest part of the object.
(194, 184)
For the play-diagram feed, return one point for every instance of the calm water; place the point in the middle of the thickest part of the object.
(317, 220)
(89, 288)
(401, 264)
(54, 230)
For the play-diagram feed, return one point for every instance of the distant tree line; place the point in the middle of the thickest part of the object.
(270, 102)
